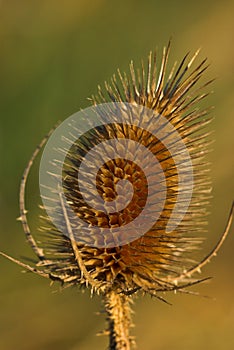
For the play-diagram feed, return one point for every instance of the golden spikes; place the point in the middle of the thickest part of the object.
(159, 260)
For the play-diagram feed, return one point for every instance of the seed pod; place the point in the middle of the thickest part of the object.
(156, 258)
(160, 259)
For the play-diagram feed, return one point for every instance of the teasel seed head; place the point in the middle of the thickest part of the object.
(158, 260)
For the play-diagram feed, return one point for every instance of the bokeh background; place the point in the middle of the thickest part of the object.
(53, 55)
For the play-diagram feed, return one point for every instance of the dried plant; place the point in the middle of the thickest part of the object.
(158, 261)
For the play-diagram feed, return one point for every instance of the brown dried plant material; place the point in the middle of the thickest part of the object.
(158, 261)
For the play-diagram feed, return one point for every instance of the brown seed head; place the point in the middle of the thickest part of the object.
(156, 260)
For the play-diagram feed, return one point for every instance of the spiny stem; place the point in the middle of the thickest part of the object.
(119, 320)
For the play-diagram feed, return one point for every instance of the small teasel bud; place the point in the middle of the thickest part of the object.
(125, 187)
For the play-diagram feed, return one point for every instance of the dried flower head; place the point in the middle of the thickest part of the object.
(158, 260)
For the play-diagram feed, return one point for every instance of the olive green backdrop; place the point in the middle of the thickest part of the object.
(53, 54)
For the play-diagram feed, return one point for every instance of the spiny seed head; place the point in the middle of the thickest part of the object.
(158, 259)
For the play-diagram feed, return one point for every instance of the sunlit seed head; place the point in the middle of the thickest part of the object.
(157, 258)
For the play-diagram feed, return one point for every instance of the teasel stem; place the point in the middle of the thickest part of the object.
(119, 318)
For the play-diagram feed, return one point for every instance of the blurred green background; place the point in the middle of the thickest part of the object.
(53, 55)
